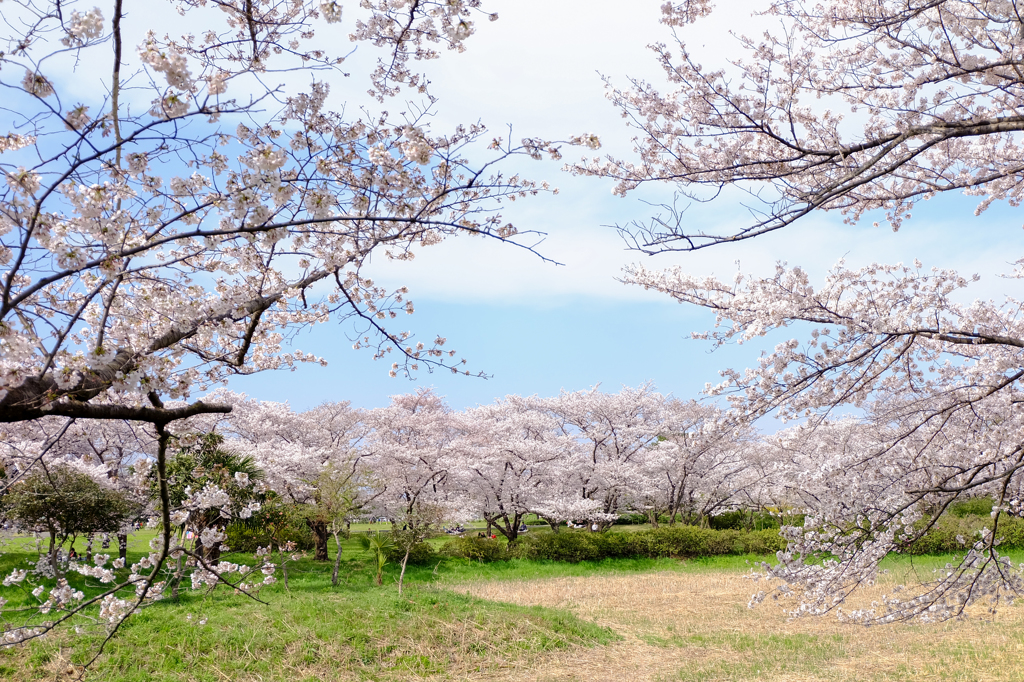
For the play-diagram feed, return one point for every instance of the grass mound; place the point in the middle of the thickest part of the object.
(353, 634)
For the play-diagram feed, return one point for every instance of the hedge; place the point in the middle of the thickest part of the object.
(942, 537)
(576, 546)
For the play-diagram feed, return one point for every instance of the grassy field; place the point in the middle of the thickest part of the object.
(616, 620)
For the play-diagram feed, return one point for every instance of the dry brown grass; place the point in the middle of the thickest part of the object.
(685, 626)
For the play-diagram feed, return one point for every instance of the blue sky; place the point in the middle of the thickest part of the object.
(539, 328)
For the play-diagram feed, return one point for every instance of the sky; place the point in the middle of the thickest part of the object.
(535, 327)
(538, 328)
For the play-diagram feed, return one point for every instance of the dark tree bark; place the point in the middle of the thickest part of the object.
(320, 535)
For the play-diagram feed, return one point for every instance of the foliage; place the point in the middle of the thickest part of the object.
(975, 506)
(383, 548)
(420, 554)
(227, 482)
(266, 529)
(953, 534)
(741, 519)
(201, 461)
(475, 549)
(576, 546)
(65, 503)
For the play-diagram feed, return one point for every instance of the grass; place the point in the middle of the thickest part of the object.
(355, 634)
(618, 619)
(355, 631)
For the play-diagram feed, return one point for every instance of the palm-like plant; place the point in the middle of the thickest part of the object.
(382, 546)
(203, 462)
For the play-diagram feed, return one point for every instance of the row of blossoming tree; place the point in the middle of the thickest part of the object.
(586, 456)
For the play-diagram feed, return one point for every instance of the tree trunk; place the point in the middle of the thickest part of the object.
(401, 576)
(554, 524)
(284, 569)
(509, 529)
(319, 529)
(176, 580)
(212, 554)
(337, 560)
(53, 554)
(122, 545)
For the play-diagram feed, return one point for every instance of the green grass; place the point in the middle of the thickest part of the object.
(313, 631)
(359, 631)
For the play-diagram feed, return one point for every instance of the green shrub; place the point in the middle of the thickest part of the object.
(730, 520)
(1011, 531)
(670, 541)
(941, 538)
(475, 549)
(569, 546)
(246, 537)
(421, 554)
(744, 520)
(976, 506)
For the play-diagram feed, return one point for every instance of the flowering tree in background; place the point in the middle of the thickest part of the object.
(309, 458)
(937, 89)
(104, 450)
(701, 464)
(510, 458)
(613, 434)
(411, 455)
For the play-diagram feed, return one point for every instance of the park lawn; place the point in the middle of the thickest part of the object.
(614, 619)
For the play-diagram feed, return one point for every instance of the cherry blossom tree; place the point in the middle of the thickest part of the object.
(510, 458)
(700, 465)
(104, 450)
(935, 92)
(613, 434)
(410, 452)
(310, 458)
(160, 250)
(933, 89)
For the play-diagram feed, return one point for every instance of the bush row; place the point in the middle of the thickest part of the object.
(730, 520)
(244, 537)
(691, 541)
(942, 538)
(576, 546)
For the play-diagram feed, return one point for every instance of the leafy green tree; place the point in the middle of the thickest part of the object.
(65, 503)
(200, 464)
